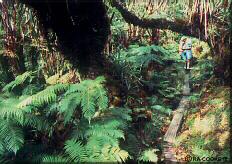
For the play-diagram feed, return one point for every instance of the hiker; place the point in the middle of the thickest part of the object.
(185, 50)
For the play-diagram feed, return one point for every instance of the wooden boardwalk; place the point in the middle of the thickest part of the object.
(175, 125)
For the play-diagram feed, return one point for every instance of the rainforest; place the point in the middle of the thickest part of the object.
(115, 81)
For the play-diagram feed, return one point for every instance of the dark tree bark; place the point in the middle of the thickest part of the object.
(82, 27)
(182, 26)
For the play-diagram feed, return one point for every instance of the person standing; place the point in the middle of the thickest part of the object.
(181, 46)
(185, 50)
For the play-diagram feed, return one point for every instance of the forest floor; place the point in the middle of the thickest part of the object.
(205, 131)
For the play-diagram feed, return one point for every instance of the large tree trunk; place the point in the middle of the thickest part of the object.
(81, 26)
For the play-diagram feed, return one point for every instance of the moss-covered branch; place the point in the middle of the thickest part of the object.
(182, 26)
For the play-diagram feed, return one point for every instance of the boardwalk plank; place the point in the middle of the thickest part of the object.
(176, 122)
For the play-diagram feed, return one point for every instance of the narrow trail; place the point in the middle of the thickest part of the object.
(175, 125)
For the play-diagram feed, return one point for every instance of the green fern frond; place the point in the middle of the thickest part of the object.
(54, 159)
(88, 105)
(73, 88)
(100, 80)
(19, 80)
(141, 50)
(1, 149)
(89, 94)
(8, 109)
(79, 132)
(100, 141)
(68, 104)
(101, 97)
(11, 136)
(75, 150)
(104, 153)
(122, 113)
(45, 96)
(109, 128)
(131, 143)
(40, 123)
(149, 156)
(113, 154)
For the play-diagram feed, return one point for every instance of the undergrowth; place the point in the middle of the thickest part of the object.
(206, 130)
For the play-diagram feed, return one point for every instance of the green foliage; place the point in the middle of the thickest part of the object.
(12, 120)
(8, 109)
(19, 80)
(149, 156)
(77, 115)
(11, 136)
(99, 139)
(90, 95)
(199, 152)
(194, 98)
(131, 63)
(203, 71)
(45, 96)
(161, 109)
(54, 159)
(93, 152)
(102, 137)
(75, 151)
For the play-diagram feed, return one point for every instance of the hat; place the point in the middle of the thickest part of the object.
(183, 38)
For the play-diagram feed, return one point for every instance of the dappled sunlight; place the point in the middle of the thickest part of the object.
(203, 126)
(114, 81)
(224, 139)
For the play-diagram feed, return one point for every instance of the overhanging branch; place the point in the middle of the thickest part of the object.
(180, 27)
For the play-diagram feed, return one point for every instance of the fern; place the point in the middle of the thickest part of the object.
(8, 109)
(11, 136)
(113, 154)
(100, 150)
(122, 113)
(68, 104)
(131, 143)
(101, 97)
(149, 156)
(38, 122)
(89, 95)
(75, 150)
(44, 97)
(79, 132)
(102, 136)
(19, 80)
(143, 60)
(54, 159)
(109, 128)
(87, 104)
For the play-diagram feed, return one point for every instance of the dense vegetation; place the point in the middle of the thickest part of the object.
(53, 110)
